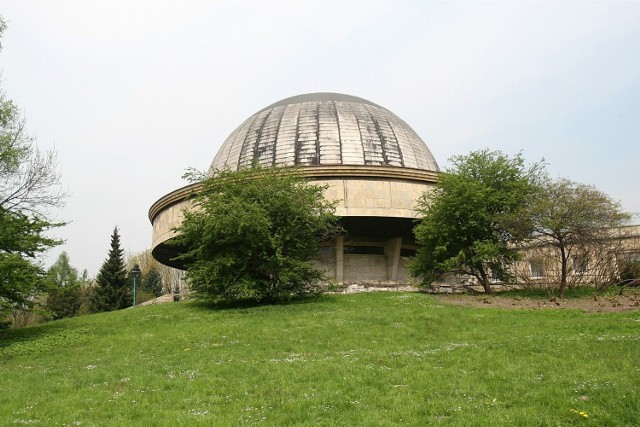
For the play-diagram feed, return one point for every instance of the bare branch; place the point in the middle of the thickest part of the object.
(29, 177)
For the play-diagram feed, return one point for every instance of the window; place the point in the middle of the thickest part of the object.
(364, 250)
(406, 253)
(537, 268)
(628, 257)
(629, 267)
(580, 264)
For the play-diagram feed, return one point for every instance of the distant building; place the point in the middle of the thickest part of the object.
(612, 258)
(600, 261)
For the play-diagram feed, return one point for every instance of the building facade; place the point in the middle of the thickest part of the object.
(375, 166)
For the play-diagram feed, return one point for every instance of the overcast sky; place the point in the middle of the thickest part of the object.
(131, 93)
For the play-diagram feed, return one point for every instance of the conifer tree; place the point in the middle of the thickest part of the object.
(152, 282)
(112, 287)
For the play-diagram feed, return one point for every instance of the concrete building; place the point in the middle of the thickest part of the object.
(375, 165)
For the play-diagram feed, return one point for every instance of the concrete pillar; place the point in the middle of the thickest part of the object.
(392, 251)
(339, 247)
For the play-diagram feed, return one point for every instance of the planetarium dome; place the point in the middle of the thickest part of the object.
(324, 129)
(372, 163)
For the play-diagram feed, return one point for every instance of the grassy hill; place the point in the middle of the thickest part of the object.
(365, 359)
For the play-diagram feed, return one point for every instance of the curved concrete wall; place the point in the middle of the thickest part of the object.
(364, 197)
(361, 191)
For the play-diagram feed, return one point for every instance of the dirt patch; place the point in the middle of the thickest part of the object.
(630, 301)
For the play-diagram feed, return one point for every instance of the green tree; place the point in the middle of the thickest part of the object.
(253, 234)
(112, 290)
(475, 214)
(87, 285)
(152, 282)
(65, 293)
(29, 186)
(572, 217)
(21, 277)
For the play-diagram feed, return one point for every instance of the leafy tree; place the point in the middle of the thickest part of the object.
(87, 285)
(573, 217)
(61, 273)
(21, 240)
(473, 217)
(253, 234)
(29, 186)
(112, 291)
(65, 293)
(152, 282)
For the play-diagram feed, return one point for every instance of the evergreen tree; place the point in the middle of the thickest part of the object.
(152, 282)
(112, 290)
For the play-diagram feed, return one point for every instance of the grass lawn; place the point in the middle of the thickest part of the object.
(364, 359)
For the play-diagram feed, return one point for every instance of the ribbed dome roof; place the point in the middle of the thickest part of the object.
(324, 129)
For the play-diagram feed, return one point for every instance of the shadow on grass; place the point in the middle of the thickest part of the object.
(8, 337)
(252, 303)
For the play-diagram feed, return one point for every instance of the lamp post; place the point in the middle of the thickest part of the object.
(135, 272)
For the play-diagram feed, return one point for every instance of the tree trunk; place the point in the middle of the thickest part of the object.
(563, 271)
(485, 281)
